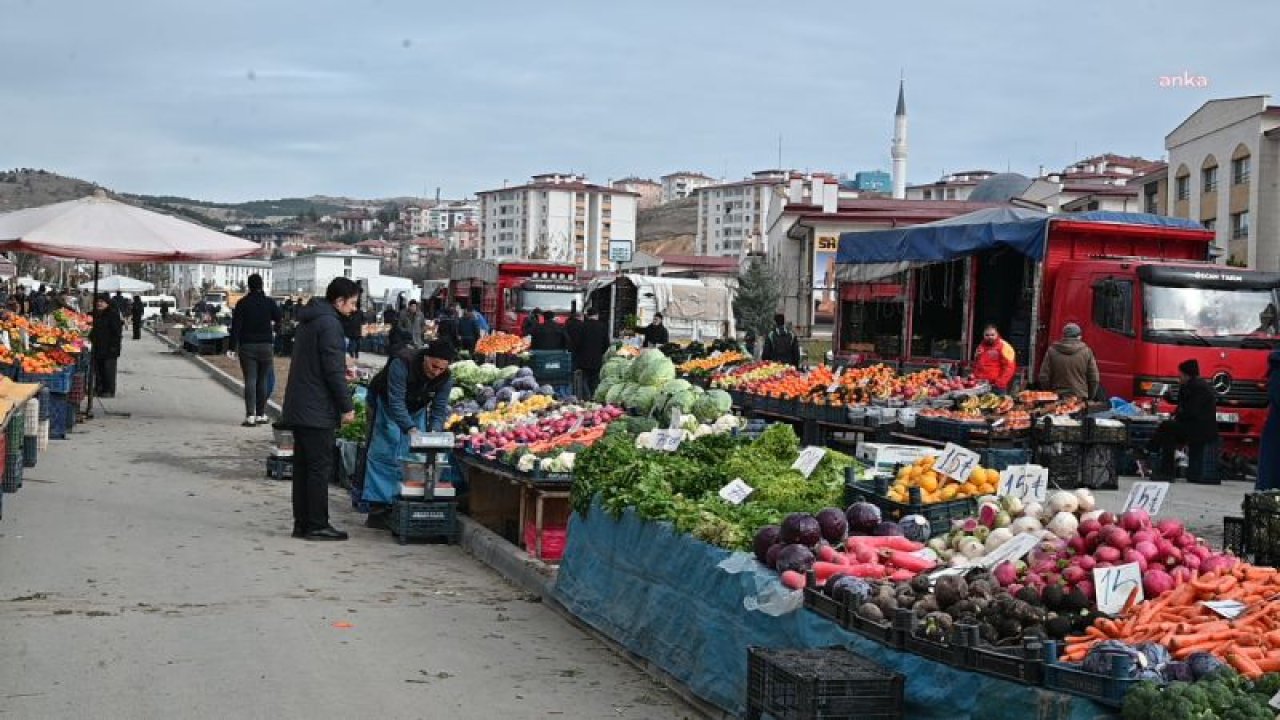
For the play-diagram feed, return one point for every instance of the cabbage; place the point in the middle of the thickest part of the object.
(833, 524)
(863, 518)
(916, 528)
(616, 369)
(652, 368)
(614, 394)
(456, 394)
(676, 386)
(795, 557)
(1203, 664)
(766, 537)
(801, 528)
(707, 407)
(1099, 659)
(642, 400)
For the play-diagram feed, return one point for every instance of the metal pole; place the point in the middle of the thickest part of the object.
(89, 381)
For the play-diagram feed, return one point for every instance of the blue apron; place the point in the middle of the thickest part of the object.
(387, 444)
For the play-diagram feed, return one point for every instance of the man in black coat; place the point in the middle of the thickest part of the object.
(106, 337)
(316, 402)
(655, 333)
(549, 335)
(254, 323)
(136, 310)
(1194, 424)
(589, 343)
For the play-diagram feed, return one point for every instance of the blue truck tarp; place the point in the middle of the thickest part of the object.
(661, 595)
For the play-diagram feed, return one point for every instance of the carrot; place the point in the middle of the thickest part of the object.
(1131, 601)
(1273, 638)
(1246, 666)
(907, 561)
(1268, 663)
(892, 542)
(793, 580)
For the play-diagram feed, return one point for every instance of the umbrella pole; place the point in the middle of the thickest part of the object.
(89, 381)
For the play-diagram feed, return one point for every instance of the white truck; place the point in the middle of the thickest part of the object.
(692, 309)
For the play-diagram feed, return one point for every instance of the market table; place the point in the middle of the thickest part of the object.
(493, 506)
(661, 595)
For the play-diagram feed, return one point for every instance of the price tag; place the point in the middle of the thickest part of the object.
(1113, 586)
(1025, 482)
(736, 492)
(1229, 609)
(667, 440)
(809, 459)
(835, 381)
(949, 571)
(1147, 496)
(1274, 702)
(1011, 551)
(957, 462)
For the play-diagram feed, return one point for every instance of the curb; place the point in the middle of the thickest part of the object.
(230, 383)
(506, 559)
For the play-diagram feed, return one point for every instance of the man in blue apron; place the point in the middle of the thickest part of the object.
(410, 392)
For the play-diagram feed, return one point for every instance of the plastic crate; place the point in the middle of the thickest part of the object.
(14, 431)
(820, 684)
(1001, 458)
(824, 605)
(551, 367)
(43, 437)
(1024, 663)
(72, 408)
(1063, 463)
(59, 410)
(1105, 434)
(1100, 466)
(881, 631)
(1233, 536)
(43, 397)
(57, 382)
(1106, 689)
(30, 450)
(279, 468)
(554, 540)
(939, 514)
(1262, 527)
(76, 393)
(1048, 433)
(12, 473)
(907, 626)
(947, 430)
(424, 519)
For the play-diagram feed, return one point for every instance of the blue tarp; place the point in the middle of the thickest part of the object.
(1018, 229)
(660, 595)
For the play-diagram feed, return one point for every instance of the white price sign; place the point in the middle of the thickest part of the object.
(1025, 482)
(835, 381)
(1114, 585)
(1011, 551)
(667, 440)
(1147, 496)
(957, 462)
(1229, 609)
(736, 492)
(809, 459)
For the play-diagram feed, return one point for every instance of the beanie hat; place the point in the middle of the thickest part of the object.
(1190, 368)
(442, 349)
(1071, 330)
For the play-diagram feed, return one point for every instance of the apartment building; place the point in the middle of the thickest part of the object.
(446, 216)
(734, 218)
(952, 186)
(683, 184)
(650, 191)
(556, 216)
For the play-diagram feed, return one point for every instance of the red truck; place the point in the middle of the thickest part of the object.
(507, 291)
(1138, 286)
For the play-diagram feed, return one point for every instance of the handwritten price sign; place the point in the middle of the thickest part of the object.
(667, 440)
(956, 462)
(1147, 496)
(809, 459)
(1113, 586)
(736, 492)
(1025, 482)
(1012, 551)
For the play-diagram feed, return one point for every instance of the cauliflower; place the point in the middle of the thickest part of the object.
(526, 463)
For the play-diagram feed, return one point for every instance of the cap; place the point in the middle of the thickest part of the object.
(441, 349)
(1071, 330)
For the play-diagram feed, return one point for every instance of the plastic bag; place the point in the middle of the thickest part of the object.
(1120, 406)
(770, 596)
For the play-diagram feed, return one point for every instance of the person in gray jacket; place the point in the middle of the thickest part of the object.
(316, 402)
(1069, 367)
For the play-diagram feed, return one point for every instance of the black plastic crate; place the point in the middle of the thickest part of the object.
(1100, 466)
(12, 473)
(1262, 527)
(424, 520)
(1063, 463)
(820, 684)
(30, 451)
(939, 514)
(1023, 663)
(1066, 677)
(1048, 432)
(1001, 458)
(824, 605)
(1233, 536)
(879, 630)
(279, 468)
(1105, 434)
(947, 430)
(907, 626)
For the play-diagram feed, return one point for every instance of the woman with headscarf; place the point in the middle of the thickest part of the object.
(410, 393)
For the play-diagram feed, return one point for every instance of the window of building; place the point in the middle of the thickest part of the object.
(1240, 170)
(1209, 179)
(1240, 224)
(1183, 187)
(928, 194)
(1150, 203)
(951, 193)
(1209, 223)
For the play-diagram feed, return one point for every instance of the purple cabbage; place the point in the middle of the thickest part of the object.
(766, 538)
(887, 528)
(1101, 658)
(1203, 664)
(833, 524)
(801, 528)
(916, 528)
(862, 518)
(794, 557)
(771, 555)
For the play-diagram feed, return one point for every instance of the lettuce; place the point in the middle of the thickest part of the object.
(652, 368)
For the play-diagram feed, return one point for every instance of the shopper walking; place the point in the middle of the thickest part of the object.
(781, 345)
(106, 337)
(410, 393)
(38, 306)
(549, 334)
(316, 403)
(411, 325)
(468, 331)
(1069, 367)
(136, 308)
(1269, 454)
(589, 344)
(1194, 424)
(995, 360)
(655, 333)
(254, 323)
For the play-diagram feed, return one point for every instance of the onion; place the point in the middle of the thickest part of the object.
(1032, 509)
(1062, 501)
(1170, 528)
(1085, 499)
(1064, 525)
(1025, 524)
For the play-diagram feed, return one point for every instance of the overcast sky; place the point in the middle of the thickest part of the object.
(235, 100)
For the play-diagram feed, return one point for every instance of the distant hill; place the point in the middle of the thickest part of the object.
(25, 187)
(669, 228)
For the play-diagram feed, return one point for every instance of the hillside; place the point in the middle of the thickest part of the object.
(25, 187)
(668, 229)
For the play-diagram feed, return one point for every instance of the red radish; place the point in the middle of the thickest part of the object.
(1148, 550)
(1089, 526)
(1086, 587)
(793, 580)
(1182, 574)
(1170, 528)
(1146, 535)
(1086, 562)
(1157, 582)
(1106, 554)
(1014, 588)
(1135, 520)
(1074, 574)
(1106, 518)
(1005, 573)
(1078, 545)
(1133, 556)
(1116, 537)
(1092, 541)
(1186, 540)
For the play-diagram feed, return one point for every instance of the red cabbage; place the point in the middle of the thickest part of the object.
(862, 517)
(794, 557)
(1203, 664)
(766, 537)
(801, 528)
(832, 523)
(771, 555)
(887, 528)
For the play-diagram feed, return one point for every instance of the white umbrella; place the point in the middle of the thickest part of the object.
(118, 283)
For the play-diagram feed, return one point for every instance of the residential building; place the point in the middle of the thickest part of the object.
(733, 218)
(556, 216)
(359, 222)
(650, 191)
(447, 216)
(464, 239)
(952, 186)
(378, 248)
(310, 274)
(1153, 188)
(187, 278)
(415, 219)
(1224, 170)
(415, 252)
(683, 184)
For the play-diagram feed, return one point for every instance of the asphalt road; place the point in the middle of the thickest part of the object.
(146, 571)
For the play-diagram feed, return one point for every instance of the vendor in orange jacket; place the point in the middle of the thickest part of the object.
(995, 360)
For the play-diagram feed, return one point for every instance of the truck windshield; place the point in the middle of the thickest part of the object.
(554, 300)
(1209, 316)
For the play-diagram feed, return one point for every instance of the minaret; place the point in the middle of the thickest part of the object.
(899, 150)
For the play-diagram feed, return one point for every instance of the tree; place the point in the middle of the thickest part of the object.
(756, 301)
